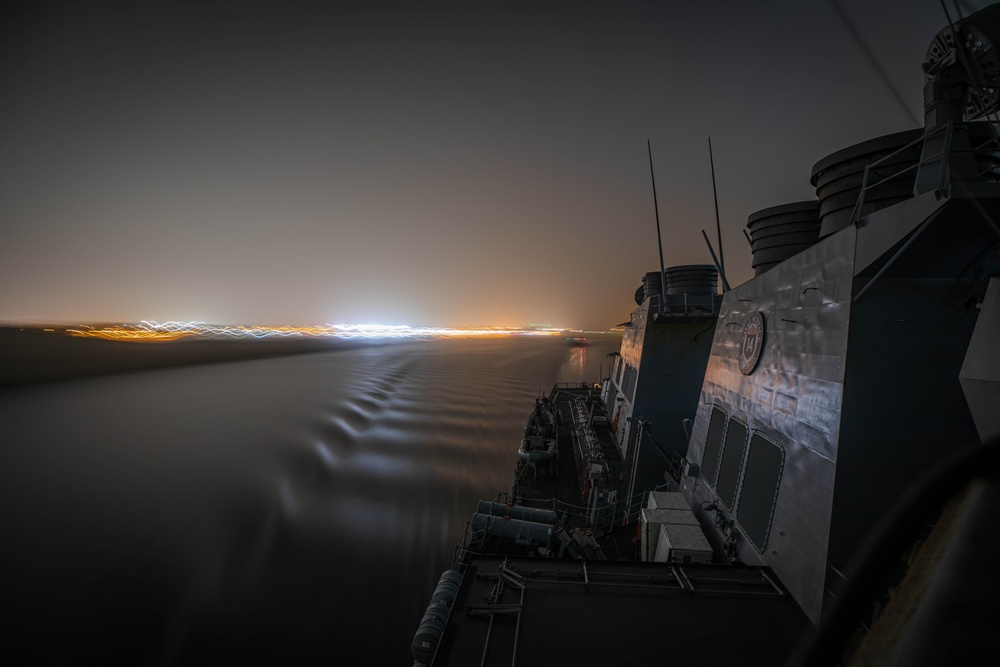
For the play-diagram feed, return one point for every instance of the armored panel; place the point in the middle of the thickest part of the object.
(732, 459)
(912, 319)
(900, 418)
(674, 355)
(659, 372)
(793, 396)
(713, 445)
(759, 492)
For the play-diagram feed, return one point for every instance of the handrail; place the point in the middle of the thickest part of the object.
(859, 206)
(576, 385)
(681, 304)
(613, 516)
(947, 129)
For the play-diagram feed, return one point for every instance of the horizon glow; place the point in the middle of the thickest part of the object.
(152, 330)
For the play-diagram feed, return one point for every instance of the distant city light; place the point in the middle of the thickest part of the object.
(163, 331)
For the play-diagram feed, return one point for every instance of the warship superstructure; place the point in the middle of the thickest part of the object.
(654, 382)
(843, 398)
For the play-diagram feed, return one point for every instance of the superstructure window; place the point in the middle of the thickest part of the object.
(713, 445)
(731, 462)
(759, 493)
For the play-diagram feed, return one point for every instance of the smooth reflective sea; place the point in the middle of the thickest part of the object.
(295, 510)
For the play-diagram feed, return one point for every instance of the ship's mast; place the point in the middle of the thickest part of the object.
(715, 195)
(659, 240)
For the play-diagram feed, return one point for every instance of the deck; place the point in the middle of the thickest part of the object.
(608, 527)
(538, 611)
(564, 557)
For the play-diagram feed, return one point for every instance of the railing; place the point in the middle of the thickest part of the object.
(575, 385)
(612, 516)
(686, 304)
(947, 129)
(858, 212)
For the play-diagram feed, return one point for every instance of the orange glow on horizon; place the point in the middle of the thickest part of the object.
(148, 330)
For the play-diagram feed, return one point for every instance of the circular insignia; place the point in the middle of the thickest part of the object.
(752, 343)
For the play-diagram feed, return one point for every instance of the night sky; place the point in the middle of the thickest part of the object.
(470, 164)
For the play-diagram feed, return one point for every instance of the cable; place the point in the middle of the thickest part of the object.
(874, 63)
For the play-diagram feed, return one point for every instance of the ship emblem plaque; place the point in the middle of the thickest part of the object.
(752, 343)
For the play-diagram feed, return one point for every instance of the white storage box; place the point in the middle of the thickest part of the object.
(680, 544)
(668, 500)
(650, 521)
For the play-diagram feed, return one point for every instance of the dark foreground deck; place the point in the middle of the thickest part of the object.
(586, 597)
(545, 612)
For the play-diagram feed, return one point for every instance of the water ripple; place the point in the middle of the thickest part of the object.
(264, 509)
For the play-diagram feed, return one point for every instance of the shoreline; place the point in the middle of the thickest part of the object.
(33, 355)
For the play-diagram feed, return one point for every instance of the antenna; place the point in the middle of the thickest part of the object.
(722, 274)
(718, 226)
(659, 240)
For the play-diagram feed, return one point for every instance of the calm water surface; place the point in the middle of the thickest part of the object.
(295, 510)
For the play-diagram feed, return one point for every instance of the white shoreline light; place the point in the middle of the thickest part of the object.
(153, 330)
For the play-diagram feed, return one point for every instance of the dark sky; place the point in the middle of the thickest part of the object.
(478, 163)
